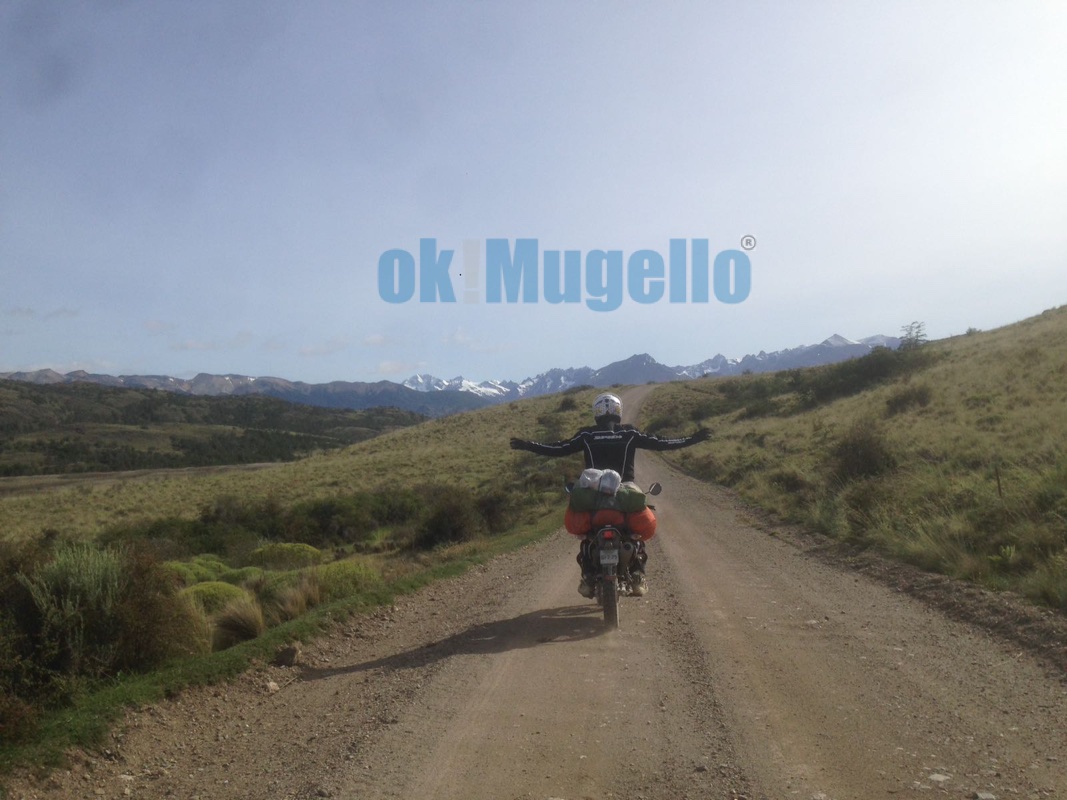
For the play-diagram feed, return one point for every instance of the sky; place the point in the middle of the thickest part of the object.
(215, 186)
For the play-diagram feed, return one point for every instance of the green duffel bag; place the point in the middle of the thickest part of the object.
(584, 499)
(630, 500)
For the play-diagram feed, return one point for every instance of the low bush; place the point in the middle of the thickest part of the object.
(240, 621)
(263, 516)
(295, 601)
(285, 555)
(83, 614)
(213, 596)
(241, 575)
(861, 452)
(173, 539)
(156, 623)
(452, 516)
(343, 578)
(18, 719)
(908, 397)
(75, 596)
(790, 481)
(1048, 583)
(847, 378)
(499, 508)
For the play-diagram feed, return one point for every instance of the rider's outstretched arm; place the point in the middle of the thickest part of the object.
(562, 448)
(647, 441)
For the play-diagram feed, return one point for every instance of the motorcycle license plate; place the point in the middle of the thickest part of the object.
(609, 556)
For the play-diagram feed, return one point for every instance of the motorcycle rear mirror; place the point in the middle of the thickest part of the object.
(655, 489)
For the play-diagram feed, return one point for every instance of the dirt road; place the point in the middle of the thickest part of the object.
(752, 669)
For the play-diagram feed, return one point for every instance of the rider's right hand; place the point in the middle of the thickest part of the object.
(517, 444)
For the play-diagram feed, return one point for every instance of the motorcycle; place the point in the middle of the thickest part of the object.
(611, 553)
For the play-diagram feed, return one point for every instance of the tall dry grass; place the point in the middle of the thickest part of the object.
(955, 460)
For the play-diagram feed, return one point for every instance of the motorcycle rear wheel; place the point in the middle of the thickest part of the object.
(610, 600)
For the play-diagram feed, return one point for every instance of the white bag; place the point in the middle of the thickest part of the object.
(610, 481)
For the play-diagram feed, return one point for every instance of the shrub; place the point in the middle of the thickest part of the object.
(178, 572)
(452, 517)
(263, 517)
(213, 596)
(199, 569)
(241, 576)
(90, 613)
(499, 509)
(790, 481)
(761, 407)
(207, 566)
(567, 403)
(76, 596)
(392, 506)
(861, 452)
(823, 384)
(285, 555)
(18, 719)
(267, 587)
(1048, 583)
(352, 519)
(156, 623)
(322, 521)
(908, 397)
(294, 601)
(240, 621)
(345, 578)
(18, 676)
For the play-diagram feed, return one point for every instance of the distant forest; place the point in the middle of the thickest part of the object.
(85, 427)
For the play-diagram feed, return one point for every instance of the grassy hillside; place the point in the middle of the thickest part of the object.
(83, 427)
(471, 448)
(121, 590)
(952, 456)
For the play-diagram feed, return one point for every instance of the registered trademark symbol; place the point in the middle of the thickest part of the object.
(748, 242)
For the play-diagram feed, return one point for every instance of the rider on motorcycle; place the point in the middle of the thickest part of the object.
(609, 445)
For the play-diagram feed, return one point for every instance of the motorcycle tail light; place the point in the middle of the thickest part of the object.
(608, 534)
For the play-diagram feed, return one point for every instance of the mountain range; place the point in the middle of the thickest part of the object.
(426, 394)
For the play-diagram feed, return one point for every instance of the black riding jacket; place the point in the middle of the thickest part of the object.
(607, 447)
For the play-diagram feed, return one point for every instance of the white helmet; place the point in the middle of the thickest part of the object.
(607, 405)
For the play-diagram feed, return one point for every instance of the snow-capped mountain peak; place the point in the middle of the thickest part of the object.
(838, 341)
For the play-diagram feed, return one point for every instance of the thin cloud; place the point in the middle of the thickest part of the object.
(24, 312)
(400, 367)
(157, 326)
(242, 339)
(194, 345)
(329, 347)
(460, 338)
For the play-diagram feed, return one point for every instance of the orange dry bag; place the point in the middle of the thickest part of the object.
(642, 524)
